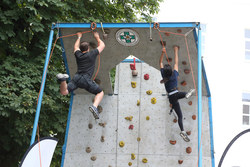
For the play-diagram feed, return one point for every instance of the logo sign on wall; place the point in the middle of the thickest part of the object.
(127, 37)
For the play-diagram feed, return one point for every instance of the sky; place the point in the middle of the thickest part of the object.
(223, 59)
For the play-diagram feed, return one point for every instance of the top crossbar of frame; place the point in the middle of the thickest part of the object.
(125, 25)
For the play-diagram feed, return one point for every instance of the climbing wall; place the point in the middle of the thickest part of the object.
(135, 128)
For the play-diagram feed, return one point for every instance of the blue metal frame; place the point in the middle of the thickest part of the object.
(67, 130)
(123, 25)
(199, 99)
(210, 115)
(42, 88)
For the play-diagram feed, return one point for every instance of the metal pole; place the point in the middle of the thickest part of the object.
(42, 87)
(199, 97)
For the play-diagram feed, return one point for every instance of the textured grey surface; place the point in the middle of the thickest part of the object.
(155, 133)
(146, 50)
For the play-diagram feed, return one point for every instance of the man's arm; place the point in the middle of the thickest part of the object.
(161, 58)
(101, 44)
(176, 49)
(77, 43)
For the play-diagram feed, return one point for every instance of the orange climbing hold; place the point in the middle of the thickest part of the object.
(180, 161)
(173, 142)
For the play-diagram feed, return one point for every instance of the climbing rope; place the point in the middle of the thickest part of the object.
(156, 26)
(93, 27)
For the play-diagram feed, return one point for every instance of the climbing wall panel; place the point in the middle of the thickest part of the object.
(145, 130)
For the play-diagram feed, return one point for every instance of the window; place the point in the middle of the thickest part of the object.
(247, 44)
(246, 108)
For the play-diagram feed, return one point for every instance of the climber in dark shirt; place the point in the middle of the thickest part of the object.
(85, 60)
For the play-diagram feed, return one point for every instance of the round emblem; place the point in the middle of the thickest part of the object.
(127, 37)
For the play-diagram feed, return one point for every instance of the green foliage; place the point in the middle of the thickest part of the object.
(24, 32)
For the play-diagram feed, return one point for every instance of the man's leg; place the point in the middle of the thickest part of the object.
(64, 88)
(98, 99)
(63, 84)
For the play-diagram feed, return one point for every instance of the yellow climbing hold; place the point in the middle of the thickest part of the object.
(130, 163)
(149, 92)
(147, 118)
(133, 84)
(129, 118)
(132, 156)
(138, 102)
(144, 160)
(153, 100)
(121, 144)
(138, 139)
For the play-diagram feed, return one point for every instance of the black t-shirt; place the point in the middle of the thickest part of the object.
(86, 61)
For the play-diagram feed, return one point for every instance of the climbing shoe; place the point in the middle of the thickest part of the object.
(189, 93)
(62, 77)
(94, 111)
(184, 136)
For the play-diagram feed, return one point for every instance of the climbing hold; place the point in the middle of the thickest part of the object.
(138, 139)
(179, 30)
(98, 81)
(170, 105)
(183, 83)
(132, 66)
(138, 102)
(90, 126)
(167, 34)
(99, 109)
(147, 118)
(153, 100)
(188, 133)
(102, 139)
(131, 127)
(175, 120)
(103, 124)
(146, 76)
(186, 71)
(190, 103)
(129, 118)
(173, 142)
(133, 84)
(188, 150)
(121, 144)
(194, 117)
(93, 158)
(149, 92)
(184, 62)
(88, 149)
(180, 161)
(134, 73)
(132, 156)
(144, 160)
(130, 163)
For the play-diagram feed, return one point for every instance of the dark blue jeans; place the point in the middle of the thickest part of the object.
(173, 99)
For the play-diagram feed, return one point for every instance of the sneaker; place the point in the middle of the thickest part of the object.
(62, 77)
(94, 111)
(189, 93)
(183, 134)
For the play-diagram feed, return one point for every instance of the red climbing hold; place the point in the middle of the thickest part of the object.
(132, 66)
(131, 127)
(146, 76)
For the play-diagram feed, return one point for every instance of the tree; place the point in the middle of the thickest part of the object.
(24, 32)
